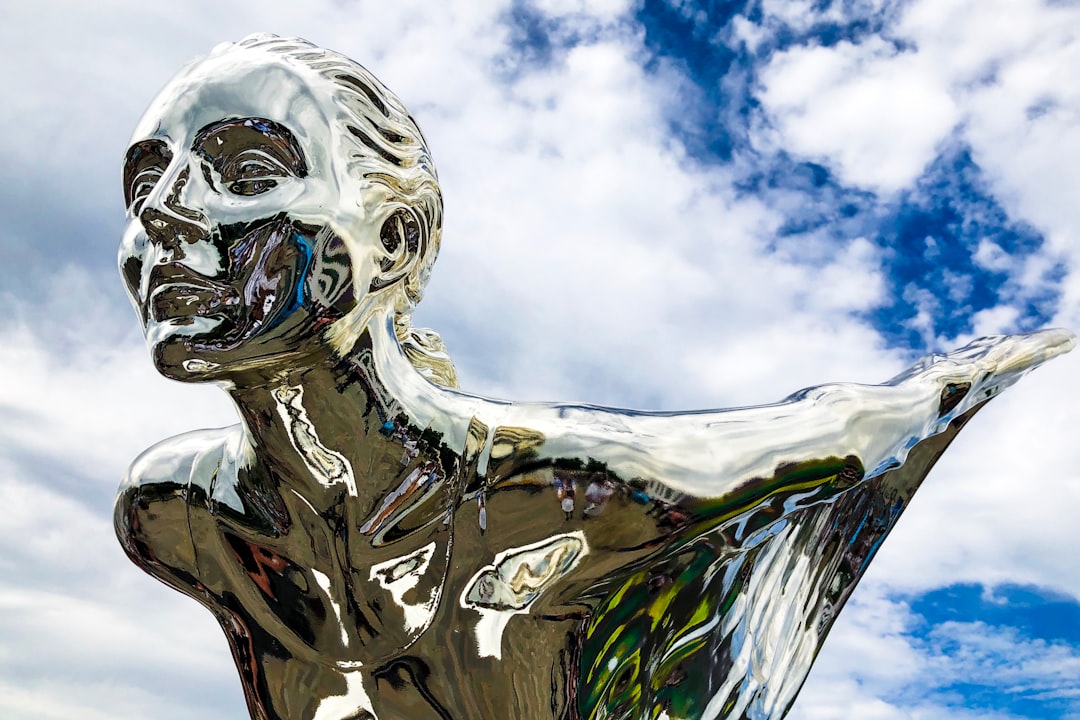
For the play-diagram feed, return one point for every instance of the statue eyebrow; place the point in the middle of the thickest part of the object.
(280, 143)
(136, 151)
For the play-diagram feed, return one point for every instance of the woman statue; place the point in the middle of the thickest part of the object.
(378, 544)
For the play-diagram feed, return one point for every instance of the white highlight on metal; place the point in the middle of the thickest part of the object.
(400, 575)
(327, 466)
(323, 581)
(514, 581)
(199, 365)
(336, 707)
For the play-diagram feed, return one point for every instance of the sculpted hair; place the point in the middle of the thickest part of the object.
(387, 149)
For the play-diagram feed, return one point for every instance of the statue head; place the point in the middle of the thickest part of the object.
(279, 199)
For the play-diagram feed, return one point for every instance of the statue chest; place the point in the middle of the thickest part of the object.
(321, 589)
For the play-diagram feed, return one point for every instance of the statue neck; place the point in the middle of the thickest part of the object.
(326, 430)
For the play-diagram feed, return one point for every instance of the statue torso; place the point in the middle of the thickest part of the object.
(417, 605)
(509, 588)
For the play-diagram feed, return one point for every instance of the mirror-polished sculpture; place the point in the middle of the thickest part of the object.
(378, 544)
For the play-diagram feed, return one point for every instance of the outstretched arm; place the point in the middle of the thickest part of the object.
(716, 453)
(747, 577)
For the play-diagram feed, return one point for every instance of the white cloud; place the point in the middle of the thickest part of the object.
(875, 114)
(988, 74)
(84, 634)
(590, 228)
(799, 15)
(102, 700)
(990, 256)
(994, 321)
(93, 396)
(880, 661)
(1007, 63)
(602, 10)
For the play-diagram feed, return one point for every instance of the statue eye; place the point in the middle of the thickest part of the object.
(250, 156)
(252, 173)
(142, 186)
(143, 168)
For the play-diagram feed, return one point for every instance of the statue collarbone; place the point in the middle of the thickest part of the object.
(376, 543)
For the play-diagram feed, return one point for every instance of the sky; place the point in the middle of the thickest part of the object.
(656, 204)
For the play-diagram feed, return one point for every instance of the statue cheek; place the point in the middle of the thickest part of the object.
(267, 265)
(131, 273)
(131, 256)
(329, 282)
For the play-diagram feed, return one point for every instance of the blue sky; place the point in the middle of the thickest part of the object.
(650, 203)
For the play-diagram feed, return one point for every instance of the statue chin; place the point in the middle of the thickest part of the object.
(173, 346)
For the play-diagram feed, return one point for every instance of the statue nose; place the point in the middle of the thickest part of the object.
(170, 231)
(169, 222)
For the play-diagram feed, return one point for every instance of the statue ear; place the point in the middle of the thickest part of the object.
(400, 240)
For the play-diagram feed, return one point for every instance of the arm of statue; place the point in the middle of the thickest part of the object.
(761, 522)
(714, 454)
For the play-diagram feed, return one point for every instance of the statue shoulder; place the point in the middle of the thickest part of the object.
(171, 462)
(153, 503)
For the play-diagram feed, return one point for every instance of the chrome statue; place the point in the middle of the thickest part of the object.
(378, 544)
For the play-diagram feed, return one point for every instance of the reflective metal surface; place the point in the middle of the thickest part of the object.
(377, 544)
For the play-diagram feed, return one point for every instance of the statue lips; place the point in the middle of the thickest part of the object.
(175, 292)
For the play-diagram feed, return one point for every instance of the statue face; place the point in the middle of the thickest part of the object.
(232, 254)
